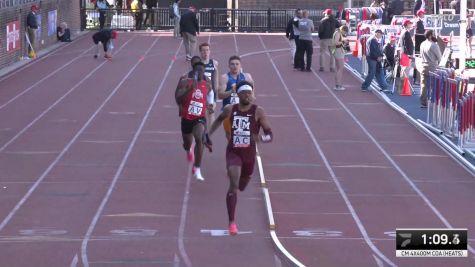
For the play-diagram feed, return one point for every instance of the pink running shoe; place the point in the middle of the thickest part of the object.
(233, 230)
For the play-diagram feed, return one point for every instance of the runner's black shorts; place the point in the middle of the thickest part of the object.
(188, 125)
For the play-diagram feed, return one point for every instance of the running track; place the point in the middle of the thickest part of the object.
(93, 173)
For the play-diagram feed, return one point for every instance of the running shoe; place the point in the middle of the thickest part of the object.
(95, 56)
(197, 174)
(107, 56)
(233, 230)
(339, 88)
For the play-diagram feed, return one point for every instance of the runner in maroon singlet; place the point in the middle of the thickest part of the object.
(192, 97)
(246, 120)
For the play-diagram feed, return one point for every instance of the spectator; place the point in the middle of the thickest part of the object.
(339, 43)
(395, 9)
(32, 26)
(389, 51)
(420, 30)
(297, 36)
(306, 28)
(189, 29)
(150, 14)
(176, 12)
(455, 5)
(374, 57)
(418, 5)
(290, 34)
(430, 54)
(325, 32)
(104, 37)
(63, 33)
(136, 7)
(406, 46)
(102, 6)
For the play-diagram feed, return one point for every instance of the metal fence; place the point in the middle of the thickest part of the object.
(213, 19)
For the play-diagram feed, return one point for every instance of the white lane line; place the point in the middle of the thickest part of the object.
(176, 261)
(57, 102)
(75, 260)
(95, 219)
(270, 215)
(235, 44)
(37, 60)
(63, 152)
(278, 262)
(181, 229)
(378, 261)
(44, 79)
(390, 159)
(328, 166)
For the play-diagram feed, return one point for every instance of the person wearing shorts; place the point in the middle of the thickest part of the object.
(246, 120)
(192, 96)
(227, 86)
(339, 40)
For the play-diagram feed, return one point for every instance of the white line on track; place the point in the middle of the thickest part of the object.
(328, 166)
(44, 79)
(94, 221)
(181, 229)
(75, 260)
(390, 159)
(57, 101)
(63, 152)
(37, 60)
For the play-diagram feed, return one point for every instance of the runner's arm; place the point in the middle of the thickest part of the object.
(226, 112)
(181, 90)
(222, 94)
(251, 80)
(262, 119)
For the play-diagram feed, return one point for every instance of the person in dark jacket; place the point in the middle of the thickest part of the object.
(63, 33)
(389, 50)
(325, 32)
(104, 37)
(395, 9)
(189, 29)
(32, 26)
(419, 4)
(420, 30)
(406, 45)
(290, 34)
(374, 57)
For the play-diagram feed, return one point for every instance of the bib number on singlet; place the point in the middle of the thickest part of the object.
(207, 74)
(241, 141)
(234, 99)
(195, 108)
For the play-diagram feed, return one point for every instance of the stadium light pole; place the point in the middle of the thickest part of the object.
(463, 29)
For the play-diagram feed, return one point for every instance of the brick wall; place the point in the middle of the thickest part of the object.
(67, 10)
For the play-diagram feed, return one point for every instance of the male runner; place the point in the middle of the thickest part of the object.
(246, 119)
(212, 72)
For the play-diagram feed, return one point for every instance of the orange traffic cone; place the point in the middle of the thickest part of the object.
(355, 51)
(406, 87)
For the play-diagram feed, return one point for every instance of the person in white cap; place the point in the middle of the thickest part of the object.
(246, 120)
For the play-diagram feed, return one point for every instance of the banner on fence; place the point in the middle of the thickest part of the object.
(13, 36)
(52, 15)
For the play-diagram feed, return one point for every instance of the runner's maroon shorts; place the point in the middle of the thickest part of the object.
(244, 157)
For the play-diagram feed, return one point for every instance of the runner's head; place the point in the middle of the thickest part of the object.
(198, 68)
(244, 91)
(204, 51)
(235, 64)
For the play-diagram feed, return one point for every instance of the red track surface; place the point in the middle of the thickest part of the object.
(93, 173)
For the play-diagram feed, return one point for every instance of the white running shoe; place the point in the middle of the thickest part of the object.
(197, 174)
(339, 88)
